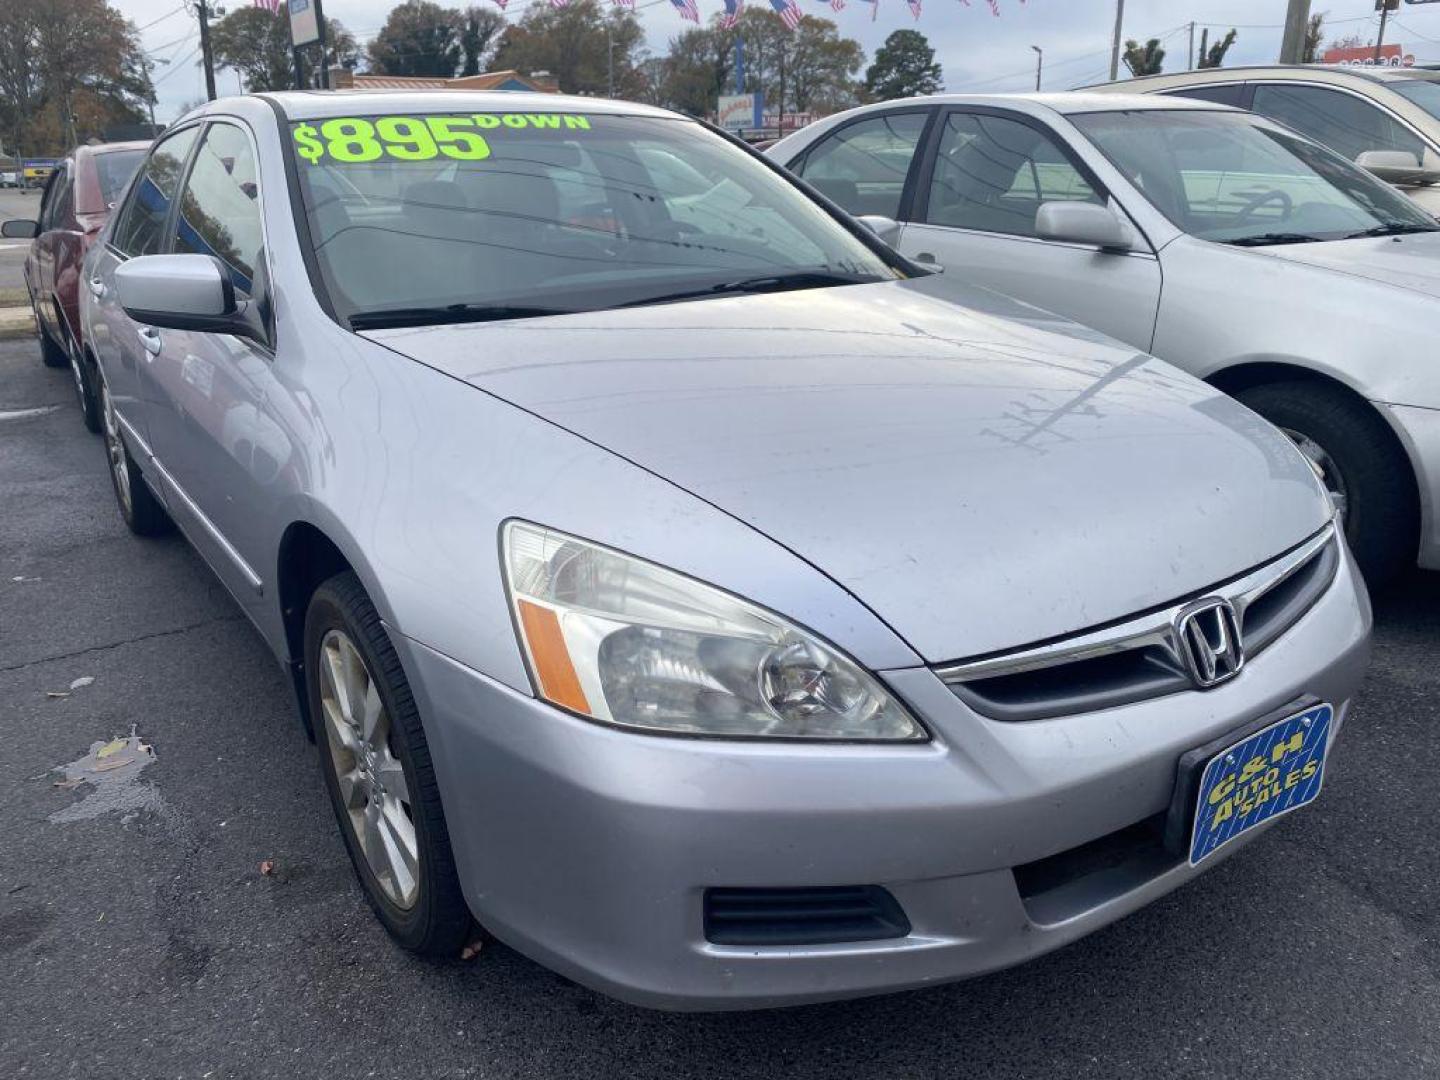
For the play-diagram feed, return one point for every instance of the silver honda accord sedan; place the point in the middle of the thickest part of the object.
(704, 599)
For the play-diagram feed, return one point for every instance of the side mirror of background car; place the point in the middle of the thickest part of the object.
(1398, 167)
(20, 229)
(180, 292)
(887, 229)
(1083, 223)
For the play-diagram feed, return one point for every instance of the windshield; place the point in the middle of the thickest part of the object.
(114, 168)
(459, 217)
(1423, 92)
(1235, 178)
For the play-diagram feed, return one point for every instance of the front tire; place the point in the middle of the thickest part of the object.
(1361, 464)
(143, 514)
(86, 375)
(378, 772)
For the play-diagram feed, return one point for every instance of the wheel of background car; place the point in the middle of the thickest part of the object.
(51, 353)
(138, 505)
(1274, 195)
(1359, 460)
(378, 772)
(83, 370)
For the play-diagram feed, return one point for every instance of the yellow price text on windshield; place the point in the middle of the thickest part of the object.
(352, 139)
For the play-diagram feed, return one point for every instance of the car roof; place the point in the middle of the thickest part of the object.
(111, 147)
(1254, 71)
(1066, 103)
(320, 104)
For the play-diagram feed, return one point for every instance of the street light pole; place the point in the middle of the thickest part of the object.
(1115, 43)
(1039, 65)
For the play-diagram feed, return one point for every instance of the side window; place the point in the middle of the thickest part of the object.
(141, 228)
(1224, 94)
(1346, 124)
(220, 208)
(863, 165)
(992, 174)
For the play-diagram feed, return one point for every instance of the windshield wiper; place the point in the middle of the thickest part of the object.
(800, 279)
(1393, 228)
(1266, 239)
(447, 313)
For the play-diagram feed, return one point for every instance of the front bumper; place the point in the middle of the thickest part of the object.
(1419, 430)
(589, 849)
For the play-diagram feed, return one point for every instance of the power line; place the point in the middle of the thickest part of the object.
(162, 18)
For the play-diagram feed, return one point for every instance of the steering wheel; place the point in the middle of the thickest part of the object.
(1254, 202)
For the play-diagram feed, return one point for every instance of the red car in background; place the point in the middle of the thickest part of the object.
(78, 198)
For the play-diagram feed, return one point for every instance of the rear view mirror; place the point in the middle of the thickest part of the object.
(20, 229)
(179, 292)
(887, 229)
(1396, 167)
(1083, 223)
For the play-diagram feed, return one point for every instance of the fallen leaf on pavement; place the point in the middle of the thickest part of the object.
(472, 950)
(267, 868)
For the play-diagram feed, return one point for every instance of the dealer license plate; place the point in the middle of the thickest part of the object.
(1278, 769)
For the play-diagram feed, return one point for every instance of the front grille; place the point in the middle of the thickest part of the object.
(815, 916)
(1138, 658)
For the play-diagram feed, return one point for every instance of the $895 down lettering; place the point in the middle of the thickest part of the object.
(409, 138)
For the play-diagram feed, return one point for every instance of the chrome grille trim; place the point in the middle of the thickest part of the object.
(1155, 630)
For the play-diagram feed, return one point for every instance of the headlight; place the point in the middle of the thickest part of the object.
(627, 642)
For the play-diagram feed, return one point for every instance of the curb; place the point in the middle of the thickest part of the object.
(16, 323)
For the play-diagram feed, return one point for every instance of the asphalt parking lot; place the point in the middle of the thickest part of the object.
(139, 937)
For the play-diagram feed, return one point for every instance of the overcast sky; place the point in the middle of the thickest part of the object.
(979, 51)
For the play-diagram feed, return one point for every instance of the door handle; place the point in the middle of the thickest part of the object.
(97, 288)
(150, 338)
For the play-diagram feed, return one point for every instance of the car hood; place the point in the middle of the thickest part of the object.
(981, 477)
(1405, 262)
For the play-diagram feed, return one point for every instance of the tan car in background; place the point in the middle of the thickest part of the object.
(1384, 119)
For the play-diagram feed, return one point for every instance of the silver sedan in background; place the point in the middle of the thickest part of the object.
(718, 607)
(1218, 240)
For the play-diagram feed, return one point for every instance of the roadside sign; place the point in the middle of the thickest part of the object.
(738, 112)
(1364, 56)
(304, 26)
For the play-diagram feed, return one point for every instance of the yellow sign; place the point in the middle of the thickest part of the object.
(418, 138)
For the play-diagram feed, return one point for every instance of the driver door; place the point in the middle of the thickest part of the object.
(979, 190)
(209, 425)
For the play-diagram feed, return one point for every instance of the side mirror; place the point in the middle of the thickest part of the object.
(1083, 223)
(20, 229)
(180, 292)
(1396, 167)
(887, 229)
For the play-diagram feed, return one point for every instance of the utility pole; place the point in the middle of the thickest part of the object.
(609, 62)
(1039, 65)
(206, 56)
(324, 60)
(1297, 21)
(1115, 44)
(1385, 6)
(1190, 66)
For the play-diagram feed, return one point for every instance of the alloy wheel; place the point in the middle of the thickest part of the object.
(1325, 468)
(115, 449)
(370, 778)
